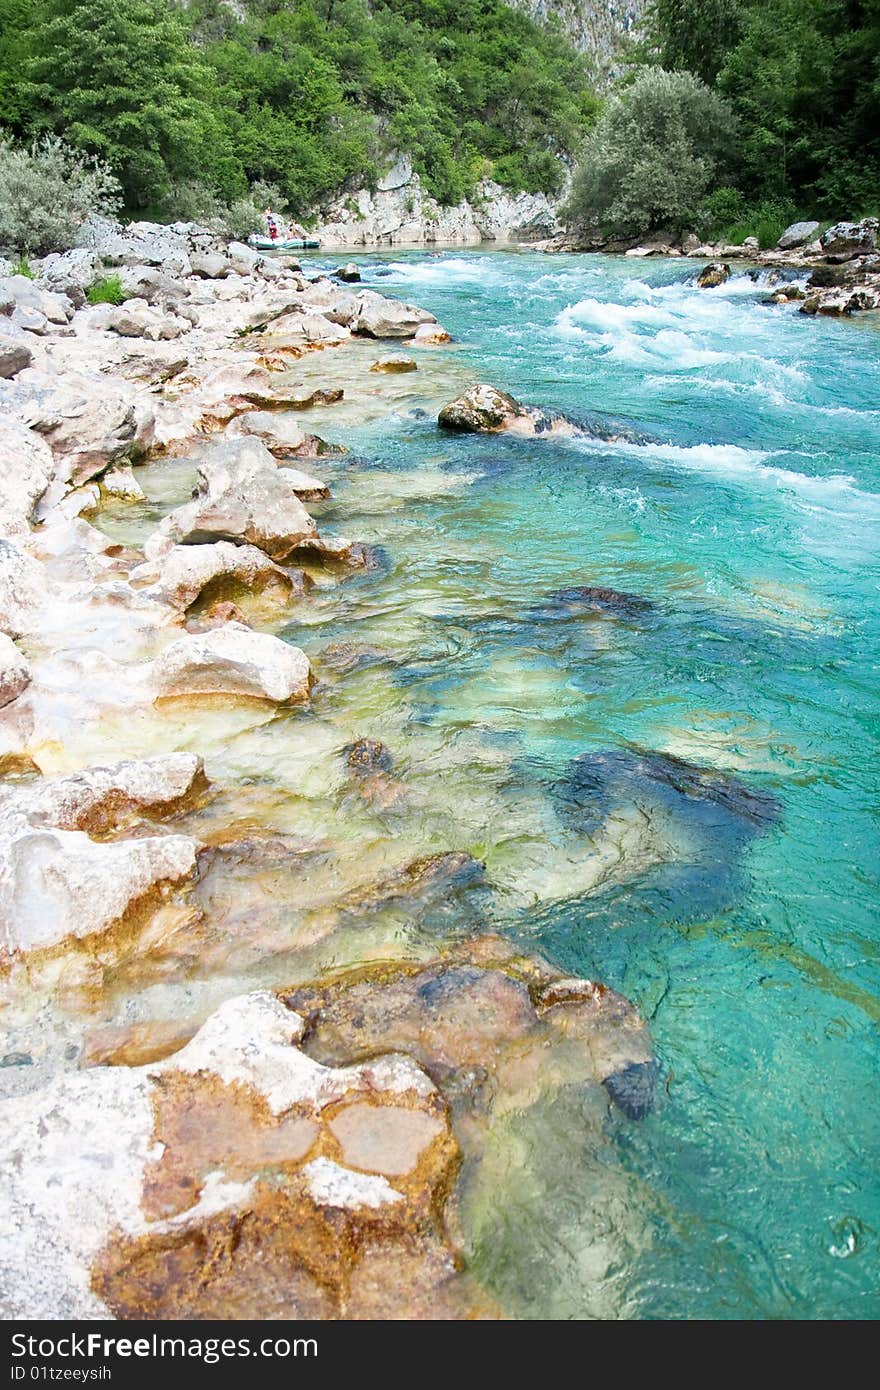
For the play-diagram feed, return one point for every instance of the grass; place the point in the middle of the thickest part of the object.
(106, 291)
(23, 267)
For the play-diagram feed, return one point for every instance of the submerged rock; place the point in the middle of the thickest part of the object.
(349, 273)
(589, 598)
(295, 397)
(485, 410)
(366, 756)
(396, 363)
(712, 275)
(233, 660)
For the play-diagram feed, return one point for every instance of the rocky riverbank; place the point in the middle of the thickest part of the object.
(175, 1144)
(841, 267)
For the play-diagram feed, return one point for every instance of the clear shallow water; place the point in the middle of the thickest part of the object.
(751, 525)
(743, 923)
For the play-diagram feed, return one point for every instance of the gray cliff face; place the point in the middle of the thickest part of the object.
(593, 26)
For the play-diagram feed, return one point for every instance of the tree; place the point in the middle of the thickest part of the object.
(695, 35)
(123, 81)
(653, 155)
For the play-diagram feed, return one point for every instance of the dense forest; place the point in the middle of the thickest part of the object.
(732, 115)
(303, 94)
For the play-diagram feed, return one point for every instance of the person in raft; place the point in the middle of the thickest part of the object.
(271, 224)
(295, 230)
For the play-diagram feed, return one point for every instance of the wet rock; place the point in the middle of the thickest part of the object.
(15, 673)
(233, 660)
(428, 878)
(394, 364)
(120, 482)
(345, 657)
(366, 756)
(60, 884)
(282, 436)
(596, 599)
(493, 1027)
(15, 355)
(336, 552)
(632, 1088)
(293, 397)
(798, 234)
(301, 330)
(712, 275)
(99, 799)
(597, 778)
(215, 1184)
(241, 496)
(486, 410)
(189, 572)
(349, 273)
(378, 317)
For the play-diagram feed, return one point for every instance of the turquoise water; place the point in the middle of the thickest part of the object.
(749, 525)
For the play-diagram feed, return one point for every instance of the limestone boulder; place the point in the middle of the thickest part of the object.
(349, 273)
(210, 265)
(485, 410)
(70, 273)
(798, 234)
(26, 468)
(27, 294)
(100, 799)
(23, 590)
(121, 483)
(188, 572)
(15, 354)
(58, 882)
(712, 275)
(851, 238)
(233, 660)
(136, 319)
(237, 1178)
(88, 420)
(243, 259)
(241, 496)
(15, 673)
(379, 317)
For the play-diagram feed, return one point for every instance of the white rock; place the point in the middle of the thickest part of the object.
(186, 570)
(103, 796)
(233, 660)
(26, 294)
(26, 467)
(23, 590)
(121, 482)
(388, 318)
(15, 673)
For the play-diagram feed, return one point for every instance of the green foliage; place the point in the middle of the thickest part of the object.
(106, 291)
(653, 155)
(803, 77)
(727, 215)
(46, 190)
(304, 94)
(23, 267)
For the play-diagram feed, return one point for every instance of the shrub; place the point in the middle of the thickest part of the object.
(46, 190)
(728, 216)
(653, 155)
(23, 267)
(107, 291)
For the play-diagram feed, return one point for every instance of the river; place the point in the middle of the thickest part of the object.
(739, 520)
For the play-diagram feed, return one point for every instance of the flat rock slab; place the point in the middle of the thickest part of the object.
(233, 660)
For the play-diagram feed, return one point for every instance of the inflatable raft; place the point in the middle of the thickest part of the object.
(265, 243)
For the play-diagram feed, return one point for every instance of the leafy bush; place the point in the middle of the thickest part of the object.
(106, 291)
(727, 216)
(653, 155)
(46, 190)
